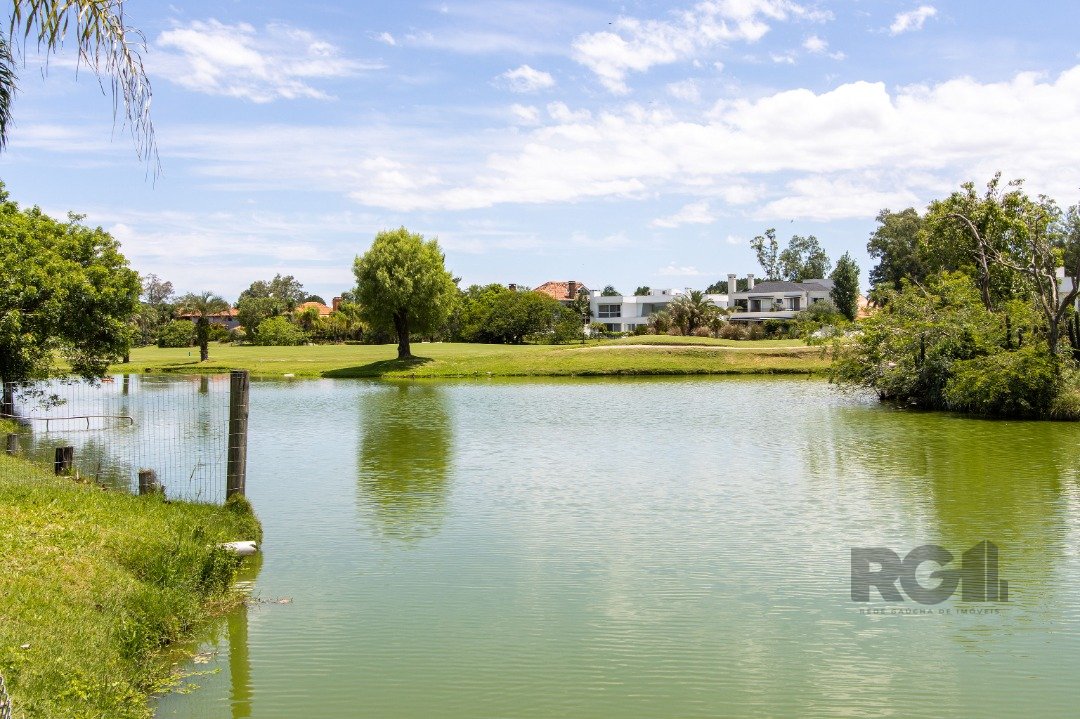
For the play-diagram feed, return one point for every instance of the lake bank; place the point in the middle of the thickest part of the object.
(648, 355)
(95, 585)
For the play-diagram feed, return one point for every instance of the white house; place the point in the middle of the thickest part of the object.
(775, 299)
(622, 313)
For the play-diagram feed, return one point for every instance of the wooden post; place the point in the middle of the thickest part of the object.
(7, 401)
(236, 474)
(65, 459)
(148, 482)
(12, 444)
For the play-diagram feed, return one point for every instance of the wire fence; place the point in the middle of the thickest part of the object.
(5, 701)
(175, 426)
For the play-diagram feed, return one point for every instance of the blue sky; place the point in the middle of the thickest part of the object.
(623, 143)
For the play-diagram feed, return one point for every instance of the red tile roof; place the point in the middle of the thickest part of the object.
(323, 309)
(561, 290)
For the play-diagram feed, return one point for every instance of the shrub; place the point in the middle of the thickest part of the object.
(641, 330)
(702, 332)
(598, 330)
(279, 332)
(1023, 383)
(177, 333)
(755, 331)
(218, 333)
(238, 334)
(732, 331)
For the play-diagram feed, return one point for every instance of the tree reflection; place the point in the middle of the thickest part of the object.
(962, 480)
(404, 460)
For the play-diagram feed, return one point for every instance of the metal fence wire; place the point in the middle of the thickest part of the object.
(176, 426)
(5, 701)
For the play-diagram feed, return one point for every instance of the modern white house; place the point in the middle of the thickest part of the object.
(623, 313)
(1065, 285)
(775, 299)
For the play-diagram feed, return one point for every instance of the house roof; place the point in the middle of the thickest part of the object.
(773, 286)
(323, 309)
(560, 290)
(231, 312)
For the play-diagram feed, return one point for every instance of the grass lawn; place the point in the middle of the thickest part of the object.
(95, 584)
(630, 356)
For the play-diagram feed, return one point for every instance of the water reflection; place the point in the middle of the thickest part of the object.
(404, 459)
(966, 480)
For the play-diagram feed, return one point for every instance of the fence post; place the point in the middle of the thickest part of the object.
(65, 459)
(7, 401)
(236, 474)
(148, 482)
(13, 444)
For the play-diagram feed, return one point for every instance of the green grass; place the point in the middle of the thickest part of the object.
(95, 585)
(663, 356)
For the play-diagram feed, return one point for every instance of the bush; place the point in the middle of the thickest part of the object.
(755, 331)
(279, 332)
(702, 332)
(1024, 383)
(218, 333)
(238, 334)
(732, 331)
(641, 330)
(177, 333)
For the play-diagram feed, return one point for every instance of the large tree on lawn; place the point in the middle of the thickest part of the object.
(402, 283)
(201, 307)
(66, 293)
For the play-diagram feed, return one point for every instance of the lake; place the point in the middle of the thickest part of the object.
(639, 548)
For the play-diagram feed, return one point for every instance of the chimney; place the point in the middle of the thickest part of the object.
(571, 289)
(750, 281)
(336, 303)
(512, 287)
(732, 284)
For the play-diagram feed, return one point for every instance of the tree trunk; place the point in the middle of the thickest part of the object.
(401, 324)
(202, 332)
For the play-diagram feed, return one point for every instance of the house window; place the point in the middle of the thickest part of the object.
(611, 327)
(607, 311)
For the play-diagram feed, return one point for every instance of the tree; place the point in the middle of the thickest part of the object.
(253, 311)
(66, 293)
(895, 245)
(767, 250)
(642, 291)
(582, 307)
(155, 310)
(285, 289)
(965, 231)
(845, 289)
(314, 298)
(1035, 250)
(803, 259)
(105, 44)
(688, 312)
(401, 281)
(202, 306)
(610, 291)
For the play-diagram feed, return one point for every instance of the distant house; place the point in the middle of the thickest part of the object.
(324, 311)
(565, 292)
(623, 313)
(775, 299)
(227, 319)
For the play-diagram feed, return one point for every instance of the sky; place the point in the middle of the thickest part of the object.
(622, 143)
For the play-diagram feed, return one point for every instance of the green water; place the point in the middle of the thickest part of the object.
(635, 548)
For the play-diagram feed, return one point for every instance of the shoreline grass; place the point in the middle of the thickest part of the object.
(96, 586)
(645, 356)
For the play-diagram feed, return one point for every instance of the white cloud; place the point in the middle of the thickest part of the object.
(686, 90)
(673, 270)
(560, 112)
(862, 137)
(786, 58)
(734, 240)
(634, 45)
(912, 20)
(387, 38)
(525, 114)
(815, 44)
(239, 61)
(527, 79)
(696, 213)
